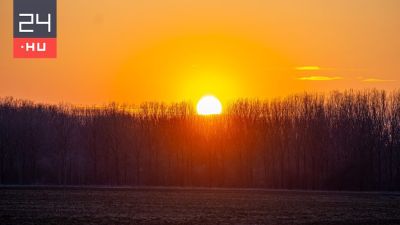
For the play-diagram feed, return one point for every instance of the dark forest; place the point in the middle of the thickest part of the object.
(346, 140)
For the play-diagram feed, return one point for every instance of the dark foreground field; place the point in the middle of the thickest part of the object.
(193, 206)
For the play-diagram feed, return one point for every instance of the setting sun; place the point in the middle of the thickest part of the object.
(209, 105)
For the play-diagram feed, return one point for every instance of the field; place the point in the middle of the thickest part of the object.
(51, 205)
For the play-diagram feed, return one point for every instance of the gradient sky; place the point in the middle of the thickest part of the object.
(172, 50)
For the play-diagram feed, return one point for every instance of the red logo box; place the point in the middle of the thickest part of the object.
(35, 47)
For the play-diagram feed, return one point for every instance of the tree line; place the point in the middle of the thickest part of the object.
(346, 140)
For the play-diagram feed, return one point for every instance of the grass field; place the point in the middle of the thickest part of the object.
(46, 205)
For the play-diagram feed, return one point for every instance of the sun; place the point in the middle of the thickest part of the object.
(209, 105)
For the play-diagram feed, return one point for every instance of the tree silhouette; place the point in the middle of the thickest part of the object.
(338, 141)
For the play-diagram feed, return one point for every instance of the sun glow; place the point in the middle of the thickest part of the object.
(209, 105)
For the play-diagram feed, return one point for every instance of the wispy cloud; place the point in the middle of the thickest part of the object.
(308, 68)
(319, 78)
(376, 80)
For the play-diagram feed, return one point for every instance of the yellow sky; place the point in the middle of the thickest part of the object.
(172, 50)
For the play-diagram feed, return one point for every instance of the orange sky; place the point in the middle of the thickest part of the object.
(172, 50)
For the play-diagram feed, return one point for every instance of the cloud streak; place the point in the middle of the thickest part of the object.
(308, 68)
(376, 80)
(319, 78)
